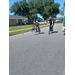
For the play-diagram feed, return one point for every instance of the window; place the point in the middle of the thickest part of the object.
(13, 20)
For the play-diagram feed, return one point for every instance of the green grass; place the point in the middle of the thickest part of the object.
(19, 27)
(43, 26)
(19, 31)
(22, 27)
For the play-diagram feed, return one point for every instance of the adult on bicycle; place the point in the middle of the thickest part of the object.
(51, 24)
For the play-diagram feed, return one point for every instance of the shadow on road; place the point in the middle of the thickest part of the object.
(41, 33)
(54, 32)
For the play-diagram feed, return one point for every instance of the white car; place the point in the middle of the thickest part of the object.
(42, 22)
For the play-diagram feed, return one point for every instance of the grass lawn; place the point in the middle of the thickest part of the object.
(22, 27)
(19, 27)
(16, 32)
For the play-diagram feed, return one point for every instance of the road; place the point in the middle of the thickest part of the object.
(41, 54)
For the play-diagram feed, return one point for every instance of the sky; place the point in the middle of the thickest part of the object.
(61, 2)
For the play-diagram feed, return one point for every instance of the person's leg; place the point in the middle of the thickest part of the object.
(36, 28)
(39, 30)
(52, 28)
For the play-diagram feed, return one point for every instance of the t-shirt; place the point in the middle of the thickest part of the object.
(50, 20)
(36, 23)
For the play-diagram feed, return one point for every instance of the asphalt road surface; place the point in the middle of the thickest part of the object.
(42, 54)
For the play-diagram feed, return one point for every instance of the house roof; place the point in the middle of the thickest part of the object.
(39, 18)
(17, 17)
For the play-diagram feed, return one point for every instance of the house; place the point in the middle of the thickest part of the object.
(16, 20)
(31, 20)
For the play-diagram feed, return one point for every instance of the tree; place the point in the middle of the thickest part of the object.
(50, 9)
(31, 8)
(23, 8)
(20, 8)
(62, 10)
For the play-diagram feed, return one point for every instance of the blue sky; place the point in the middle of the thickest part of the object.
(61, 2)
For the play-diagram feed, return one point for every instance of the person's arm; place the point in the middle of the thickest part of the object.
(52, 23)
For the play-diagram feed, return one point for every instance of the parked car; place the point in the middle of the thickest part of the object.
(43, 22)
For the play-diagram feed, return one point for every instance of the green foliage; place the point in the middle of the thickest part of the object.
(30, 9)
(20, 8)
(62, 10)
(50, 9)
